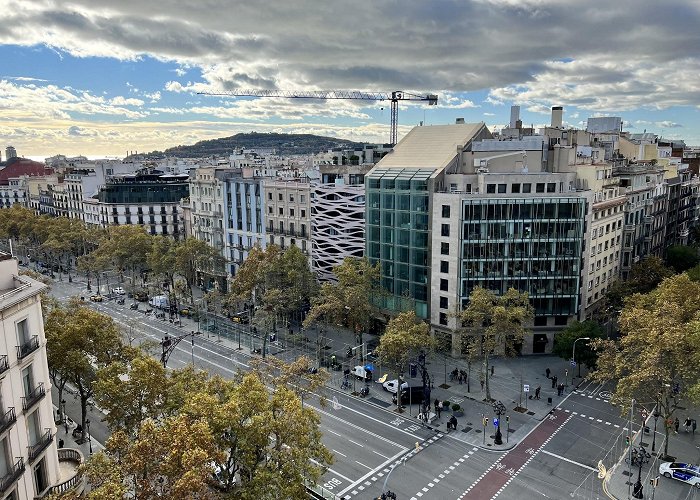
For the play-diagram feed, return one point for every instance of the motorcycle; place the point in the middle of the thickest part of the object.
(364, 391)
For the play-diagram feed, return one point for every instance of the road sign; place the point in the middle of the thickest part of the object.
(495, 422)
(573, 363)
(526, 388)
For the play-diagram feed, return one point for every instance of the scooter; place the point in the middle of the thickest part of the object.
(364, 391)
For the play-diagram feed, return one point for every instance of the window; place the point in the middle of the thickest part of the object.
(22, 332)
(551, 187)
(444, 266)
(443, 285)
(302, 198)
(445, 230)
(515, 188)
(539, 187)
(34, 427)
(527, 187)
(501, 188)
(490, 188)
(303, 212)
(291, 197)
(269, 210)
(269, 196)
(280, 197)
(443, 319)
(281, 211)
(590, 285)
(445, 210)
(291, 212)
(445, 248)
(443, 302)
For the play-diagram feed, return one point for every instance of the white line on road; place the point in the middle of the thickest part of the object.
(363, 465)
(355, 442)
(333, 432)
(371, 473)
(338, 453)
(383, 456)
(333, 471)
(568, 460)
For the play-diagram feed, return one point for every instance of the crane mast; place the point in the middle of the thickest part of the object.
(394, 96)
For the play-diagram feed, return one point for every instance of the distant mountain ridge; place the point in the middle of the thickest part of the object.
(283, 144)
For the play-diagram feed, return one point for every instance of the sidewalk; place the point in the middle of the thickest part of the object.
(682, 447)
(98, 429)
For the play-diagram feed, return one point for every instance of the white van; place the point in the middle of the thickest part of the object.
(362, 373)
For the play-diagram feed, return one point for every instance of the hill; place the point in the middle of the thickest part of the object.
(283, 144)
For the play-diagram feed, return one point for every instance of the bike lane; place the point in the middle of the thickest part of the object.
(497, 477)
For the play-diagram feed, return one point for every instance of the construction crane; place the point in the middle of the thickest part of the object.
(394, 97)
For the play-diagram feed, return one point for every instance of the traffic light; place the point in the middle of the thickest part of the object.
(627, 440)
(507, 418)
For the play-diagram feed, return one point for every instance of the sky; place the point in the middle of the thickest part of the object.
(104, 77)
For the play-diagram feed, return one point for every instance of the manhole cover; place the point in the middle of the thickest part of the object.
(531, 413)
(478, 431)
(466, 429)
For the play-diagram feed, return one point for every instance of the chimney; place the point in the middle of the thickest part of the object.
(459, 121)
(514, 116)
(557, 113)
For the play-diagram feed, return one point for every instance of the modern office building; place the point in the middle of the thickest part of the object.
(337, 217)
(245, 225)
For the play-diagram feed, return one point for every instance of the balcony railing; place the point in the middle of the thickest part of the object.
(33, 397)
(28, 347)
(4, 363)
(75, 479)
(9, 479)
(43, 443)
(7, 420)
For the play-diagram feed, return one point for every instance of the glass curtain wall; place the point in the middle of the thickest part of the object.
(532, 245)
(398, 235)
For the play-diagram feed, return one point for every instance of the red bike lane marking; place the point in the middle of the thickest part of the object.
(495, 479)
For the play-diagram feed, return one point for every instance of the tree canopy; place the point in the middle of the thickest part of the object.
(657, 356)
(682, 257)
(645, 275)
(585, 354)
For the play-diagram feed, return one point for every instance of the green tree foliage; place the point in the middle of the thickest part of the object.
(403, 338)
(494, 324)
(564, 342)
(645, 275)
(350, 301)
(79, 341)
(659, 348)
(192, 255)
(681, 257)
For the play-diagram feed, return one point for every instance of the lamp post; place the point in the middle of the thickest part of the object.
(656, 418)
(500, 409)
(87, 426)
(573, 357)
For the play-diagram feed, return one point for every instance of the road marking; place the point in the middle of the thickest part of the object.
(349, 424)
(383, 456)
(333, 432)
(333, 471)
(363, 465)
(371, 473)
(355, 442)
(568, 460)
(338, 453)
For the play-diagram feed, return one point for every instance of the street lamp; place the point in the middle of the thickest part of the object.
(500, 409)
(656, 418)
(573, 357)
(87, 426)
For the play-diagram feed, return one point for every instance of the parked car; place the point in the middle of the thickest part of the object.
(688, 473)
(96, 298)
(141, 296)
(119, 291)
(134, 306)
(120, 301)
(392, 386)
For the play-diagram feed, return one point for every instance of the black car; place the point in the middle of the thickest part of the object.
(134, 306)
(141, 296)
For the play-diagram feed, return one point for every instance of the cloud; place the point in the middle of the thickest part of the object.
(81, 132)
(668, 124)
(123, 101)
(489, 114)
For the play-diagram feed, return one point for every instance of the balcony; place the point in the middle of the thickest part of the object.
(28, 347)
(4, 364)
(69, 461)
(15, 472)
(42, 443)
(7, 420)
(33, 397)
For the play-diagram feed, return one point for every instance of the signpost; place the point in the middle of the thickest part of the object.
(526, 389)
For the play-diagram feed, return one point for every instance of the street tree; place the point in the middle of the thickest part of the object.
(124, 249)
(171, 458)
(302, 375)
(161, 258)
(585, 354)
(494, 324)
(80, 341)
(351, 301)
(645, 275)
(681, 257)
(192, 256)
(405, 336)
(655, 360)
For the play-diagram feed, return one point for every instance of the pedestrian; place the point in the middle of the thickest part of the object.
(492, 370)
(481, 380)
(548, 372)
(537, 392)
(61, 443)
(676, 424)
(695, 426)
(686, 424)
(554, 381)
(438, 409)
(437, 404)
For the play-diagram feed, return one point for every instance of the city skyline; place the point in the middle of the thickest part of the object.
(99, 79)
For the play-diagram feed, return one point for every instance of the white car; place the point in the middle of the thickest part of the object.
(392, 386)
(119, 291)
(688, 473)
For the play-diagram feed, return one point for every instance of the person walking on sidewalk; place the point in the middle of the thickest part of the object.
(686, 424)
(548, 372)
(554, 381)
(676, 425)
(537, 392)
(481, 380)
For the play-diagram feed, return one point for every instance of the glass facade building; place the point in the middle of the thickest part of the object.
(530, 244)
(398, 235)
